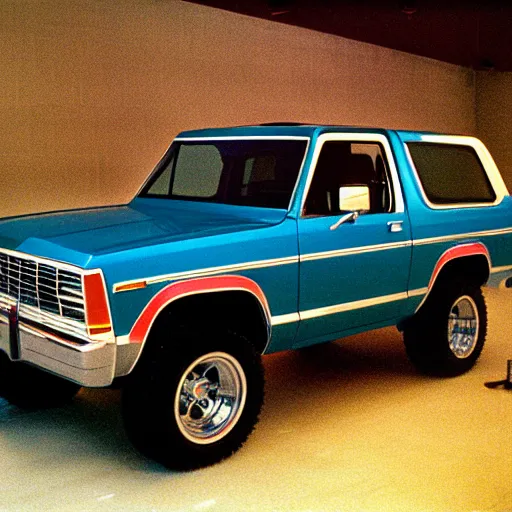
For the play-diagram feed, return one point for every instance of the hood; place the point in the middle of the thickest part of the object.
(77, 236)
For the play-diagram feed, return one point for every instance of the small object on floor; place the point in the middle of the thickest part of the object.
(507, 383)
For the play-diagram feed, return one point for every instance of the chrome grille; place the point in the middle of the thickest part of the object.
(42, 286)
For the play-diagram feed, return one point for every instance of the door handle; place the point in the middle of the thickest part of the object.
(395, 226)
(349, 217)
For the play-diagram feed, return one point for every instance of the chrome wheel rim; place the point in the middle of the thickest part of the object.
(210, 397)
(463, 324)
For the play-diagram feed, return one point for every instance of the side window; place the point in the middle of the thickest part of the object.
(348, 164)
(451, 173)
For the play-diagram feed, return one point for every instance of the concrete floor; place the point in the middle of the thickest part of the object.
(347, 426)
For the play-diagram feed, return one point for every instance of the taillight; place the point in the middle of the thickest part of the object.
(97, 314)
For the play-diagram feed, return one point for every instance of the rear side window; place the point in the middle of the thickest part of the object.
(451, 173)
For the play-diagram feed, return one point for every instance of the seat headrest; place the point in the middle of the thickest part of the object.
(362, 169)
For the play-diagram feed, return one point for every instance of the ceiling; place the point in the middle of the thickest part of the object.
(477, 35)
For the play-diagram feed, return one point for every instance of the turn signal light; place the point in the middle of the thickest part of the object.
(96, 306)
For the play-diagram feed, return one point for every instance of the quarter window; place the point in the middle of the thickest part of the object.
(451, 174)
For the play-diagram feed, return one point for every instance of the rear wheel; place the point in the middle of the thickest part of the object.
(194, 402)
(447, 335)
(31, 388)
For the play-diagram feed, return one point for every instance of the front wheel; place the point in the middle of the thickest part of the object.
(210, 398)
(193, 402)
(447, 335)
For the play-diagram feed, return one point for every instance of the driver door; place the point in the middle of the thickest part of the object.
(355, 274)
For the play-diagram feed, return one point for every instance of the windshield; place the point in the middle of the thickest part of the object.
(243, 172)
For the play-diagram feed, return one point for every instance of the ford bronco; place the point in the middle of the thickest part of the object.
(246, 241)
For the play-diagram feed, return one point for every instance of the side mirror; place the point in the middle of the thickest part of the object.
(354, 199)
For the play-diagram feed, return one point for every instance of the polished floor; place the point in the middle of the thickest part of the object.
(348, 426)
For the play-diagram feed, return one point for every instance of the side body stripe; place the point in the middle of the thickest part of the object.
(252, 265)
(462, 236)
(209, 284)
(354, 250)
(351, 306)
(449, 255)
(204, 272)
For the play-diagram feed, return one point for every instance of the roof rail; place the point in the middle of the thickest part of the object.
(285, 123)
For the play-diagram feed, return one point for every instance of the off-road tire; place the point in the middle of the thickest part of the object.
(426, 335)
(149, 398)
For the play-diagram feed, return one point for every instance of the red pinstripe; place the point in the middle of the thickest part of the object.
(191, 287)
(459, 251)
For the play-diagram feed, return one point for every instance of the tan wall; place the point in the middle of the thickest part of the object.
(92, 92)
(494, 116)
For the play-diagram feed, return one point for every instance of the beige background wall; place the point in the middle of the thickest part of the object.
(494, 118)
(92, 92)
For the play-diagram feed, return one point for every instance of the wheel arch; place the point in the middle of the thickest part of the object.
(469, 260)
(235, 298)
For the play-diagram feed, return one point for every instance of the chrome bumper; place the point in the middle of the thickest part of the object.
(88, 364)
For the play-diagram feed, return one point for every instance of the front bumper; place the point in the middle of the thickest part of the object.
(88, 364)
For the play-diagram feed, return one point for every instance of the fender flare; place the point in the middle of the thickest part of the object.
(454, 253)
(181, 289)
